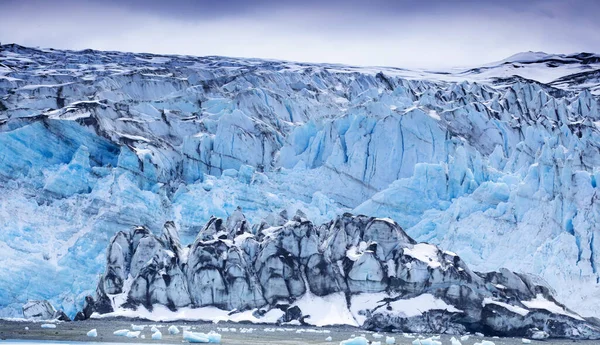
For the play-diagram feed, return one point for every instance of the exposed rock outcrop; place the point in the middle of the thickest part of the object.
(389, 281)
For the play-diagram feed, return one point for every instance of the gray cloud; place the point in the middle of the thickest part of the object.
(430, 34)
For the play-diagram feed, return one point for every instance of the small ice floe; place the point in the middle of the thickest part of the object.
(477, 334)
(539, 335)
(375, 343)
(377, 335)
(153, 329)
(48, 325)
(26, 328)
(390, 340)
(464, 338)
(485, 342)
(210, 337)
(173, 330)
(157, 335)
(328, 338)
(428, 341)
(121, 332)
(408, 335)
(526, 341)
(93, 333)
(137, 327)
(132, 334)
(143, 336)
(454, 341)
(355, 341)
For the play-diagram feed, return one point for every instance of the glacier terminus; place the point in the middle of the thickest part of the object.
(115, 166)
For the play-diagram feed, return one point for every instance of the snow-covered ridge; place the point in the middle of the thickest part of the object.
(290, 271)
(499, 168)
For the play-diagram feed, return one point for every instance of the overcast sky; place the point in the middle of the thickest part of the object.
(402, 33)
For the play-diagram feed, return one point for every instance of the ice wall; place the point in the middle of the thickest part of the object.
(502, 170)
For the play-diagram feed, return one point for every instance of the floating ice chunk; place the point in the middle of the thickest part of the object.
(137, 327)
(214, 337)
(193, 337)
(377, 335)
(157, 335)
(132, 334)
(539, 335)
(173, 330)
(376, 343)
(455, 341)
(390, 340)
(526, 341)
(428, 341)
(408, 335)
(143, 336)
(485, 342)
(477, 334)
(121, 332)
(48, 325)
(153, 329)
(464, 338)
(93, 333)
(26, 328)
(355, 341)
(328, 338)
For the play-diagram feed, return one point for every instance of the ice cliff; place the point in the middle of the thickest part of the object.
(498, 163)
(358, 270)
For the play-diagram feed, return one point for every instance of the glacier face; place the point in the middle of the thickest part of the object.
(500, 168)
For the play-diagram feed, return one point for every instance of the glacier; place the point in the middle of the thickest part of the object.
(498, 163)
